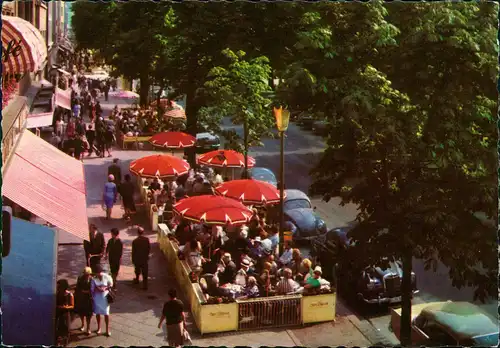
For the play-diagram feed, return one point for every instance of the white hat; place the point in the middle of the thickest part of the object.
(257, 239)
(317, 269)
(245, 263)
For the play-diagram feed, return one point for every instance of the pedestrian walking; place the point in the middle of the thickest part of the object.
(100, 288)
(76, 109)
(114, 252)
(71, 129)
(83, 299)
(173, 314)
(106, 91)
(90, 134)
(78, 144)
(109, 136)
(65, 303)
(140, 257)
(115, 170)
(109, 196)
(98, 109)
(94, 248)
(127, 190)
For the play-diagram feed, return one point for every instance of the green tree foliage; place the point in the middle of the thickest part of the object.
(127, 35)
(416, 134)
(238, 90)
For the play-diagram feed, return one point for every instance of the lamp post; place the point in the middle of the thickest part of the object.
(282, 119)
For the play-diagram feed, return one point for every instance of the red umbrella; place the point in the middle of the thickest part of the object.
(214, 210)
(173, 140)
(249, 191)
(225, 158)
(161, 166)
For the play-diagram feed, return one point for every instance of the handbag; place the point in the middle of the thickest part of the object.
(111, 296)
(186, 337)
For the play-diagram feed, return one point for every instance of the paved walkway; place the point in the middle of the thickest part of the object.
(135, 315)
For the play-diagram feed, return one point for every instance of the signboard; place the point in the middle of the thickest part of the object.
(63, 98)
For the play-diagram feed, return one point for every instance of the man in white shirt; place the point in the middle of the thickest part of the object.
(286, 257)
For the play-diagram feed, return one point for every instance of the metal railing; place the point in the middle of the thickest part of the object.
(269, 312)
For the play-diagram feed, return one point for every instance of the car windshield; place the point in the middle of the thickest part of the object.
(297, 204)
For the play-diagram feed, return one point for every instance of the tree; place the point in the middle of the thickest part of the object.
(127, 35)
(420, 149)
(238, 91)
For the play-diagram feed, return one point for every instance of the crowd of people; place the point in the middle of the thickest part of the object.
(95, 288)
(243, 262)
(144, 122)
(71, 133)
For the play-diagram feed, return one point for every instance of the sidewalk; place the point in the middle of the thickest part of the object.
(135, 315)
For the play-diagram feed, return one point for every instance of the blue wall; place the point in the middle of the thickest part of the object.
(28, 285)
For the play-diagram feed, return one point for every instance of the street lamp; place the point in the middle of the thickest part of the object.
(282, 120)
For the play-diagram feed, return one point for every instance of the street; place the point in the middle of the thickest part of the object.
(302, 151)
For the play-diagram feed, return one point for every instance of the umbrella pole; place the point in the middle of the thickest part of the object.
(232, 173)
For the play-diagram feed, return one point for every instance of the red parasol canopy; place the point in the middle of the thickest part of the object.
(214, 210)
(249, 191)
(161, 166)
(225, 158)
(173, 140)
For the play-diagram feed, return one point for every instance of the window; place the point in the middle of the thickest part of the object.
(297, 203)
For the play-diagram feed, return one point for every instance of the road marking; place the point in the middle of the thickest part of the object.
(294, 338)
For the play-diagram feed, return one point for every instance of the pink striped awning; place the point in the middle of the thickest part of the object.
(39, 120)
(175, 113)
(24, 48)
(48, 183)
(63, 98)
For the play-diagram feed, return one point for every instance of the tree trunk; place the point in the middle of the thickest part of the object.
(245, 141)
(144, 89)
(406, 295)
(192, 123)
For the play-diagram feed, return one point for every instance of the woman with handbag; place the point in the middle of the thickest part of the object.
(102, 296)
(173, 312)
(83, 298)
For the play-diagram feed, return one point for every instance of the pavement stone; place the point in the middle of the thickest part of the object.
(135, 314)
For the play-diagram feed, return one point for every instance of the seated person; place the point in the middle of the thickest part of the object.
(229, 272)
(193, 257)
(251, 289)
(295, 264)
(242, 274)
(162, 198)
(155, 185)
(216, 290)
(287, 285)
(265, 284)
(314, 281)
(286, 258)
(256, 250)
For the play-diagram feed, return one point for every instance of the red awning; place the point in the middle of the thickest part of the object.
(63, 98)
(48, 183)
(24, 46)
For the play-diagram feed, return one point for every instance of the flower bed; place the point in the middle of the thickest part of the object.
(9, 91)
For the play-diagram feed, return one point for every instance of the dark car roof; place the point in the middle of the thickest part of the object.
(262, 174)
(292, 194)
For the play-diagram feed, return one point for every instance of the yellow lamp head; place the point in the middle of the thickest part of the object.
(282, 118)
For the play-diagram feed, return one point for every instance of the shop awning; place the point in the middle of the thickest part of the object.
(23, 45)
(48, 183)
(40, 120)
(63, 98)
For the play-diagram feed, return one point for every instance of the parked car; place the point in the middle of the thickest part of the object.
(376, 284)
(262, 174)
(449, 324)
(306, 121)
(206, 142)
(320, 128)
(300, 216)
